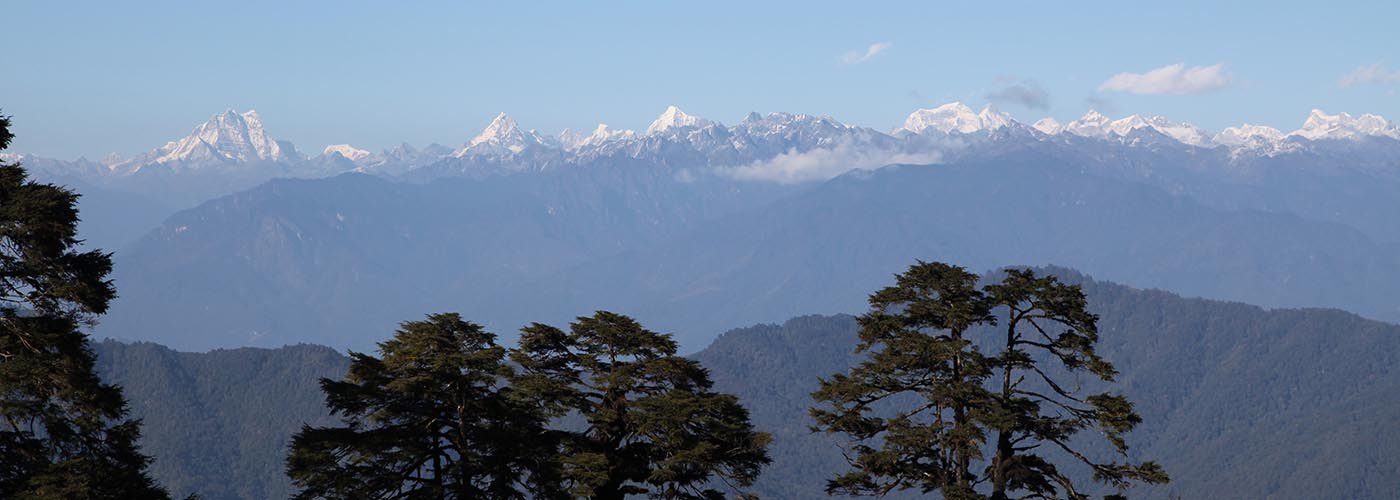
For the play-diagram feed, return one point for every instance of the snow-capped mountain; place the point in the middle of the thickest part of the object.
(673, 118)
(956, 117)
(237, 144)
(347, 151)
(1250, 137)
(603, 133)
(1097, 125)
(1092, 124)
(502, 138)
(228, 137)
(1049, 126)
(1322, 126)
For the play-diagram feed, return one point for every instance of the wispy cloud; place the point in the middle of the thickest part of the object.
(1026, 93)
(857, 57)
(1101, 104)
(1375, 74)
(1175, 79)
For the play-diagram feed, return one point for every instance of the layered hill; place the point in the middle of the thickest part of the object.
(1237, 401)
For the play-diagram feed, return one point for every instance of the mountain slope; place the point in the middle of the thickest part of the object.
(819, 250)
(218, 423)
(1237, 401)
(341, 260)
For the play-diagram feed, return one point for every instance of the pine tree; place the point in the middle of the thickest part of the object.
(651, 423)
(63, 433)
(920, 409)
(434, 418)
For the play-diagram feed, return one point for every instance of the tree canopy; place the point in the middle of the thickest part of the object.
(935, 410)
(433, 418)
(63, 432)
(651, 422)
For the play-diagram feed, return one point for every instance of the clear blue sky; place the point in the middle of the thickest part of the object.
(87, 78)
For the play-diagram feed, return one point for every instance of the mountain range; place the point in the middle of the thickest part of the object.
(231, 237)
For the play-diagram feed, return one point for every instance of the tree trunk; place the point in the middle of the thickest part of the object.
(1004, 449)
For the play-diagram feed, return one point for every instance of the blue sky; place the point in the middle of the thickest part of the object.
(91, 78)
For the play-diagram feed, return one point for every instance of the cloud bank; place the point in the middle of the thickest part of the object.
(1374, 74)
(1175, 79)
(857, 57)
(821, 164)
(1025, 93)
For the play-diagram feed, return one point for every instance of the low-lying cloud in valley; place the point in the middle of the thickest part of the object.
(824, 163)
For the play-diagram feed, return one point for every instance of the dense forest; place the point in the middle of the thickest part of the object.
(1236, 400)
(220, 421)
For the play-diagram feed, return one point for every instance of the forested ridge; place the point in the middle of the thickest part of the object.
(1237, 401)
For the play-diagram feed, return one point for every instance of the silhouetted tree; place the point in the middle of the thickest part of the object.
(920, 408)
(651, 423)
(434, 418)
(63, 433)
(914, 334)
(1047, 322)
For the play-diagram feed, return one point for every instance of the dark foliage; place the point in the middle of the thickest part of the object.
(653, 426)
(432, 418)
(958, 391)
(63, 432)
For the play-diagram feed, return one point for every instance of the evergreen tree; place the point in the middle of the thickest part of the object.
(920, 409)
(63, 433)
(651, 423)
(1046, 322)
(434, 418)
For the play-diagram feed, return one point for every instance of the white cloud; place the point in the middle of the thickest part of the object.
(1175, 79)
(1373, 74)
(857, 57)
(822, 164)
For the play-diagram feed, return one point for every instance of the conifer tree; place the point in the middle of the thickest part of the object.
(434, 418)
(940, 380)
(63, 433)
(651, 423)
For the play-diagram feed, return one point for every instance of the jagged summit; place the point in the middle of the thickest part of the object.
(502, 137)
(227, 136)
(1320, 125)
(1092, 124)
(956, 117)
(674, 118)
(345, 150)
(1048, 126)
(502, 129)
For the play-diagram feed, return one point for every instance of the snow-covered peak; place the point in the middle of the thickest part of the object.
(674, 118)
(1123, 126)
(1321, 125)
(1249, 136)
(1184, 133)
(349, 152)
(603, 133)
(992, 119)
(1092, 124)
(1095, 124)
(502, 130)
(1048, 126)
(948, 118)
(503, 137)
(227, 136)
